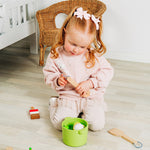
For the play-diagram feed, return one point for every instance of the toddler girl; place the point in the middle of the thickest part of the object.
(79, 48)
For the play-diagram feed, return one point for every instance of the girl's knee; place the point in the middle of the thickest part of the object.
(56, 122)
(97, 126)
(59, 115)
(96, 120)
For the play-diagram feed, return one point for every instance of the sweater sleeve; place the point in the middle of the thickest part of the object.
(103, 74)
(51, 74)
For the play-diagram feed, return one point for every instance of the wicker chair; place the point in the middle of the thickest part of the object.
(46, 20)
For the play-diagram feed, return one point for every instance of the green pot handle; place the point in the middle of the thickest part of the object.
(81, 132)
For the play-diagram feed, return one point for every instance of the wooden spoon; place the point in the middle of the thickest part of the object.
(120, 133)
(75, 84)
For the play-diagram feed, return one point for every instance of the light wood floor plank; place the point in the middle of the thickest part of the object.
(22, 86)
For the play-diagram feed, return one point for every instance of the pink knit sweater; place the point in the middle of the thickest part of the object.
(100, 74)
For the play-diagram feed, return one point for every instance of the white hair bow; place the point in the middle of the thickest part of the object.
(82, 14)
(96, 21)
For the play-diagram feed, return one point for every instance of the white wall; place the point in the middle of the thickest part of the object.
(127, 30)
(46, 3)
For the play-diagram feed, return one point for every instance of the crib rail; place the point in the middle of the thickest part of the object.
(18, 13)
(17, 21)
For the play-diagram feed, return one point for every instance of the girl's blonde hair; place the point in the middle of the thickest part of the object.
(98, 45)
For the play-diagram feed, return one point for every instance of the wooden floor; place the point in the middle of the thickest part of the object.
(22, 86)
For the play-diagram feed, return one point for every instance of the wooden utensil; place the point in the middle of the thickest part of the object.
(66, 74)
(9, 148)
(75, 84)
(117, 132)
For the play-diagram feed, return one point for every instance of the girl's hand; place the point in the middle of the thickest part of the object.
(84, 87)
(61, 81)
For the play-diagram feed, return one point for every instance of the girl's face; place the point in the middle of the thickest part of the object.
(76, 41)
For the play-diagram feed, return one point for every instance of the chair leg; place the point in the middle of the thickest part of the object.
(42, 54)
(41, 60)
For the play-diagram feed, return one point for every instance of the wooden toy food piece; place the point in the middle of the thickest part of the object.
(75, 84)
(34, 113)
(117, 132)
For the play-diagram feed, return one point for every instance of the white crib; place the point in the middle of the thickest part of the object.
(17, 21)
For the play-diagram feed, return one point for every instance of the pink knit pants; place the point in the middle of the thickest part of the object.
(93, 111)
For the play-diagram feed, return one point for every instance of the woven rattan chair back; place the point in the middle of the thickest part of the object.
(46, 19)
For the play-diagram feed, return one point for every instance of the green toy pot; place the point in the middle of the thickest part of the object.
(72, 137)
